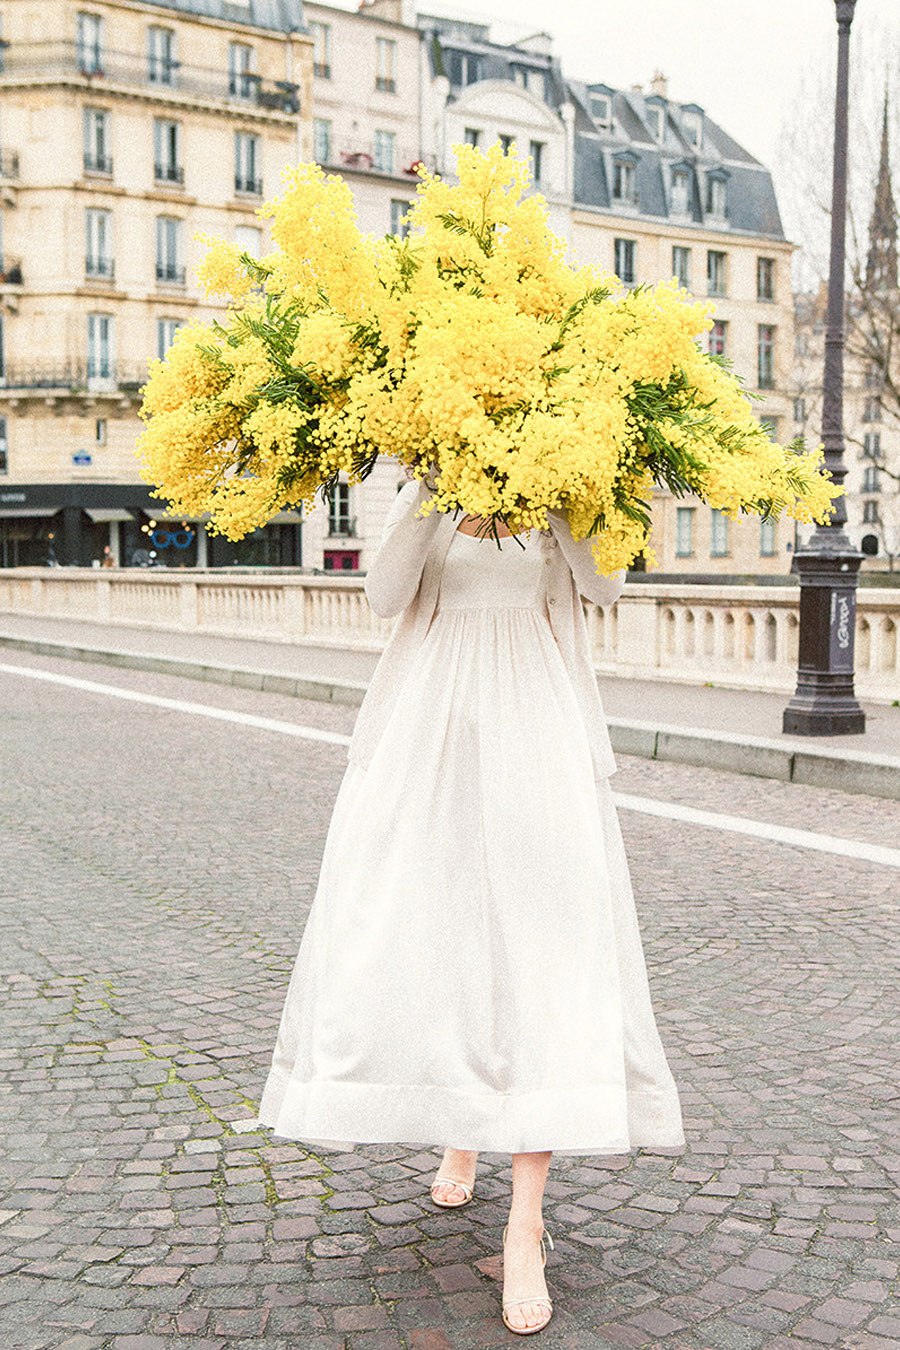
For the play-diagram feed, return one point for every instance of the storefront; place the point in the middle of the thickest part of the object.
(89, 524)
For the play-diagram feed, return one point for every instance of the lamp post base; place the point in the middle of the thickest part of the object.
(824, 703)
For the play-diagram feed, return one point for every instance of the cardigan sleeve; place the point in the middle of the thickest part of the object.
(579, 555)
(393, 579)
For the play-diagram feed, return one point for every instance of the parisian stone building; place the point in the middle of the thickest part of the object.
(130, 125)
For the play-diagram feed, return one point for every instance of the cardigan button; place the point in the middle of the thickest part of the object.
(551, 600)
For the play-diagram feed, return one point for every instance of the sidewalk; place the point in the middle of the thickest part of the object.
(731, 729)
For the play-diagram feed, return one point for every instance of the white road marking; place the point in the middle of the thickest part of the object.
(759, 829)
(182, 705)
(755, 829)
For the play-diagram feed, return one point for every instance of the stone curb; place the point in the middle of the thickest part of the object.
(788, 761)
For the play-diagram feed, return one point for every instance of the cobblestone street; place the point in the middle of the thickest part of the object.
(157, 869)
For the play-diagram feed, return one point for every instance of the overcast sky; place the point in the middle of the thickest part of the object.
(752, 64)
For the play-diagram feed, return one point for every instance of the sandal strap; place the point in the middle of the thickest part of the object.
(451, 1181)
(539, 1298)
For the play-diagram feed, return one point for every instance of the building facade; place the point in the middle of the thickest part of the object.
(128, 126)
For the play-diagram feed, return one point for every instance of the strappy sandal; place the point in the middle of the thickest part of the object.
(540, 1298)
(451, 1181)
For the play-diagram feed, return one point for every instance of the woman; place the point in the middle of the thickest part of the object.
(472, 966)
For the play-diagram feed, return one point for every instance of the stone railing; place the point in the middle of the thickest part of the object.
(742, 636)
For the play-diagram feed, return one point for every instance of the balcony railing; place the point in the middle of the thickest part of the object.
(170, 274)
(99, 164)
(10, 271)
(71, 377)
(249, 186)
(99, 269)
(49, 61)
(169, 173)
(9, 164)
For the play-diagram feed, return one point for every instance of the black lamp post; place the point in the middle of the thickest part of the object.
(824, 703)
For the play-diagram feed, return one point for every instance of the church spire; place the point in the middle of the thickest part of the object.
(881, 267)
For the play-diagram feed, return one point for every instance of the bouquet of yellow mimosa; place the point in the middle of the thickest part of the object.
(472, 351)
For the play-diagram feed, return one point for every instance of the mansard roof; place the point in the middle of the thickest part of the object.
(282, 16)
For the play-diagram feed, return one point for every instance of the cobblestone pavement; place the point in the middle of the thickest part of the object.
(156, 870)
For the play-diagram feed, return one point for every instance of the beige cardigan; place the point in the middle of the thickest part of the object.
(404, 580)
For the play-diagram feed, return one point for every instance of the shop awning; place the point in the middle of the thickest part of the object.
(8, 512)
(102, 514)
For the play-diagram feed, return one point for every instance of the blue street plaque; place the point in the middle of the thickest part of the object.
(82, 457)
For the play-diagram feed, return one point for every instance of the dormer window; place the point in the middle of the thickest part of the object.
(601, 109)
(717, 193)
(692, 122)
(681, 190)
(656, 121)
(530, 79)
(625, 178)
(463, 68)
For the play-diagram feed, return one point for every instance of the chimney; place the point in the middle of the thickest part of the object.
(637, 88)
(660, 84)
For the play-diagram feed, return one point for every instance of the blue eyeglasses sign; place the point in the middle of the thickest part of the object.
(178, 538)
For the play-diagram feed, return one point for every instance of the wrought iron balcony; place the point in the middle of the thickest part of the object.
(251, 187)
(99, 269)
(72, 377)
(170, 274)
(169, 174)
(49, 61)
(98, 164)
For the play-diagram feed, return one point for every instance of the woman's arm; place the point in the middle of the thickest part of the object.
(579, 555)
(393, 579)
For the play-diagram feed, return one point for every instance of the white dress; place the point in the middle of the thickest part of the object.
(471, 972)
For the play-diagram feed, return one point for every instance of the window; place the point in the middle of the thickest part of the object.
(715, 273)
(624, 189)
(870, 513)
(684, 532)
(166, 151)
(771, 425)
(165, 335)
(322, 140)
(656, 120)
(506, 142)
(872, 409)
(800, 409)
(624, 261)
(384, 151)
(765, 356)
(339, 521)
(95, 133)
(872, 445)
(765, 278)
(536, 157)
(399, 208)
(161, 63)
(871, 479)
(601, 109)
(718, 338)
(242, 83)
(718, 536)
(386, 65)
(4, 447)
(681, 192)
(248, 239)
(89, 38)
(681, 265)
(100, 431)
(532, 80)
(463, 67)
(98, 261)
(168, 251)
(692, 121)
(715, 195)
(321, 36)
(247, 176)
(99, 335)
(767, 547)
(873, 375)
(471, 135)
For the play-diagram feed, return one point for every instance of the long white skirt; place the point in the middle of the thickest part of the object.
(471, 973)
